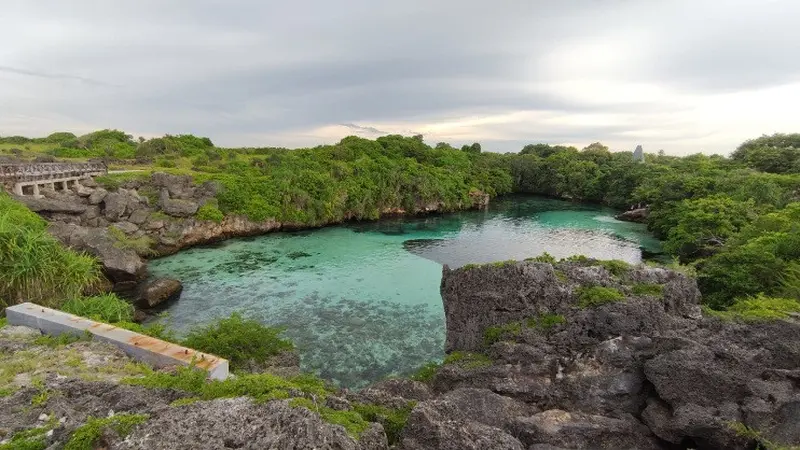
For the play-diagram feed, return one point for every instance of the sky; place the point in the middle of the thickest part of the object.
(685, 76)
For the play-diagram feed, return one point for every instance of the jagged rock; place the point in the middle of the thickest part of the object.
(577, 430)
(179, 208)
(98, 196)
(139, 216)
(159, 291)
(89, 182)
(438, 425)
(634, 215)
(177, 186)
(153, 225)
(118, 264)
(82, 190)
(394, 393)
(49, 205)
(115, 205)
(126, 227)
(241, 423)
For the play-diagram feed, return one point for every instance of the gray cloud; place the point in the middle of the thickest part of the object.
(239, 69)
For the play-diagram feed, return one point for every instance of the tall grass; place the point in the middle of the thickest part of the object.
(34, 266)
(104, 308)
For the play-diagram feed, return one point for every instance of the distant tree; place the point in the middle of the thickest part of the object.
(474, 149)
(778, 153)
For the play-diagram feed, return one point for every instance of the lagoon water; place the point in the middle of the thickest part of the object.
(361, 301)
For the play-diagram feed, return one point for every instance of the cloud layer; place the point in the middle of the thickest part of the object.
(682, 75)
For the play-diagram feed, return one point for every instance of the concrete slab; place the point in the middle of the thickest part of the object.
(143, 348)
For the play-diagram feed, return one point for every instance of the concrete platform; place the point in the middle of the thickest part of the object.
(142, 348)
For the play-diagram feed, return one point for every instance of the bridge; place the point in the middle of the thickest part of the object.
(28, 179)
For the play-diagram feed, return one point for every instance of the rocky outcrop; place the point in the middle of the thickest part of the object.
(646, 371)
(119, 264)
(158, 291)
(639, 215)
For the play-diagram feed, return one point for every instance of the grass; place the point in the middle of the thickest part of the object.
(426, 372)
(241, 341)
(141, 245)
(3, 321)
(394, 420)
(545, 321)
(30, 439)
(655, 290)
(597, 295)
(513, 329)
(352, 421)
(34, 266)
(762, 443)
(86, 436)
(617, 267)
(60, 340)
(468, 360)
(103, 308)
(544, 258)
(757, 309)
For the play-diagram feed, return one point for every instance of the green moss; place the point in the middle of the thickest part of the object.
(615, 266)
(656, 290)
(598, 295)
(210, 212)
(576, 258)
(394, 420)
(7, 391)
(185, 401)
(261, 387)
(757, 309)
(31, 439)
(85, 436)
(470, 266)
(544, 258)
(352, 421)
(426, 372)
(3, 320)
(499, 332)
(545, 321)
(561, 276)
(468, 360)
(506, 263)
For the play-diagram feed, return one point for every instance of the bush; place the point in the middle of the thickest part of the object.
(615, 266)
(598, 295)
(106, 308)
(758, 308)
(394, 420)
(240, 341)
(210, 212)
(544, 257)
(34, 266)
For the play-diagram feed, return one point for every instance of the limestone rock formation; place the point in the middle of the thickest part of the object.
(159, 291)
(640, 371)
(634, 215)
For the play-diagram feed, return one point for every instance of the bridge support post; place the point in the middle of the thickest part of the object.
(18, 189)
(36, 190)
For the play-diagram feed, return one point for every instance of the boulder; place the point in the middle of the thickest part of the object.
(177, 186)
(126, 227)
(82, 190)
(115, 205)
(98, 196)
(139, 216)
(51, 205)
(639, 215)
(119, 264)
(89, 182)
(179, 208)
(159, 291)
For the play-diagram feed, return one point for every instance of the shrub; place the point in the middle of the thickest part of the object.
(106, 308)
(394, 420)
(598, 295)
(34, 266)
(210, 212)
(758, 308)
(86, 436)
(656, 290)
(544, 257)
(241, 341)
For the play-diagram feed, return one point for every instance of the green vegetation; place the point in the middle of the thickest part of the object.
(210, 212)
(60, 340)
(3, 322)
(598, 295)
(393, 420)
(240, 341)
(141, 245)
(759, 308)
(656, 290)
(468, 360)
(352, 421)
(33, 265)
(86, 436)
(615, 266)
(544, 257)
(511, 330)
(103, 308)
(426, 372)
(762, 443)
(30, 439)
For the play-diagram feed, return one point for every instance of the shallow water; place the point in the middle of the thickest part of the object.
(362, 301)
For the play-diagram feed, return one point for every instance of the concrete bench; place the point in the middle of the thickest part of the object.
(142, 348)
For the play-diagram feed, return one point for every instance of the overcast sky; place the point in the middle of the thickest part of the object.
(681, 75)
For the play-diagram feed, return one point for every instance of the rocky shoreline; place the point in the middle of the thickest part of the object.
(147, 218)
(572, 355)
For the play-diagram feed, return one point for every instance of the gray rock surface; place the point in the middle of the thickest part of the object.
(97, 196)
(119, 264)
(51, 205)
(159, 291)
(178, 207)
